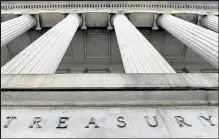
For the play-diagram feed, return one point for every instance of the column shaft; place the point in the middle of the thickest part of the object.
(44, 55)
(210, 22)
(199, 39)
(15, 27)
(138, 55)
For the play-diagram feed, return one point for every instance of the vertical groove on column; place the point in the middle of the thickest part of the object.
(44, 55)
(210, 22)
(15, 27)
(138, 55)
(201, 40)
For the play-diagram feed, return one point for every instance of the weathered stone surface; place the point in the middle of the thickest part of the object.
(44, 55)
(199, 39)
(138, 55)
(200, 127)
(15, 27)
(109, 98)
(111, 81)
(110, 122)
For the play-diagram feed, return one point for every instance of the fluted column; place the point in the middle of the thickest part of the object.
(199, 39)
(138, 55)
(210, 22)
(15, 27)
(44, 55)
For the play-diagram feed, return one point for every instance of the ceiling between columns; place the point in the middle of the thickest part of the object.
(96, 50)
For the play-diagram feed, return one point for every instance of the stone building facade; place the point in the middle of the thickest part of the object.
(127, 65)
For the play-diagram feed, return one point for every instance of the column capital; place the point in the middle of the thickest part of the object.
(109, 27)
(155, 26)
(83, 21)
(38, 27)
(210, 22)
(77, 16)
(116, 15)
